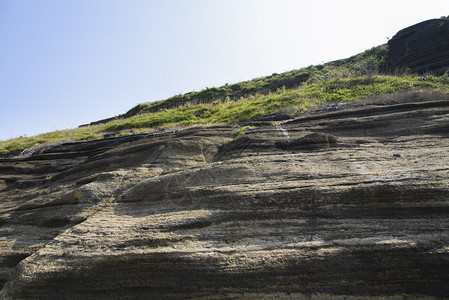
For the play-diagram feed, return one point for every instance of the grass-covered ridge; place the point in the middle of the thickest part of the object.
(359, 77)
(258, 105)
(372, 61)
(20, 143)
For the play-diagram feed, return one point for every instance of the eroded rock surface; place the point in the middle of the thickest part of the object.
(348, 203)
(423, 47)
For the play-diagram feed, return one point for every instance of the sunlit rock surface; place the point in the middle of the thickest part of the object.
(351, 202)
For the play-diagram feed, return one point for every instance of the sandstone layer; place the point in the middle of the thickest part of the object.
(350, 202)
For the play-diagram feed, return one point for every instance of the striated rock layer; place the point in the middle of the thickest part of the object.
(345, 204)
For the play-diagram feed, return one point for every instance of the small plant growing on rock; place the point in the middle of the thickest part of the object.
(242, 131)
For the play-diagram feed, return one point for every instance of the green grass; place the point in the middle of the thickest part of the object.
(258, 105)
(372, 61)
(246, 108)
(79, 134)
(358, 77)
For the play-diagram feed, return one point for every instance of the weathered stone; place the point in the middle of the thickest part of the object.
(310, 141)
(200, 214)
(420, 48)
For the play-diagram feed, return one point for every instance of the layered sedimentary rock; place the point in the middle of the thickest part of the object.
(352, 202)
(423, 47)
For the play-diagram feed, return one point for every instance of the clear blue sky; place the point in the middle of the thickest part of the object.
(68, 62)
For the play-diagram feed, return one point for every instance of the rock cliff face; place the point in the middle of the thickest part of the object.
(423, 47)
(351, 202)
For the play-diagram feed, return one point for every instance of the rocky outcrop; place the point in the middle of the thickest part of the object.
(351, 202)
(421, 48)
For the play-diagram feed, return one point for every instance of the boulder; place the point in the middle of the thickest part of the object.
(421, 48)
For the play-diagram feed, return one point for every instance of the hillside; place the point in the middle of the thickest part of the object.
(375, 72)
(330, 182)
